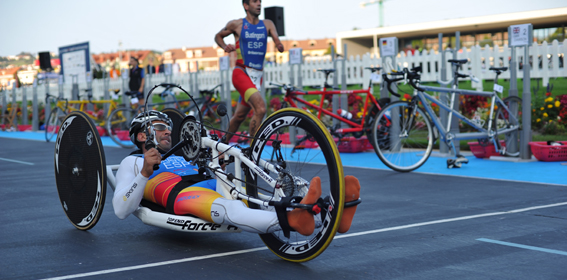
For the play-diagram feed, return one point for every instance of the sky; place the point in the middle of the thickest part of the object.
(37, 25)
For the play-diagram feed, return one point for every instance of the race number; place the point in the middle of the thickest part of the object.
(256, 77)
(498, 88)
(376, 77)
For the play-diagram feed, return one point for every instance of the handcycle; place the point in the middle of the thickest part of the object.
(405, 131)
(63, 107)
(82, 174)
(357, 127)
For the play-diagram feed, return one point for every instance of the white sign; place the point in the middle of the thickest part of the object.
(498, 88)
(519, 35)
(224, 63)
(75, 62)
(388, 46)
(295, 56)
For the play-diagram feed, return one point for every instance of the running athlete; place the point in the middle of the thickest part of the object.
(251, 35)
(181, 190)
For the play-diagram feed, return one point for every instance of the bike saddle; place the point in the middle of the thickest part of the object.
(458, 61)
(326, 71)
(498, 69)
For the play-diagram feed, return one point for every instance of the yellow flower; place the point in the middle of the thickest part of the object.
(549, 99)
(557, 103)
(549, 106)
(538, 120)
(541, 108)
(545, 115)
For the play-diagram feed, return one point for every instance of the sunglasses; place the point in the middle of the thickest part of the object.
(161, 127)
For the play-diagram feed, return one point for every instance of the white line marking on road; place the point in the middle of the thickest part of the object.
(451, 220)
(17, 161)
(101, 272)
(523, 246)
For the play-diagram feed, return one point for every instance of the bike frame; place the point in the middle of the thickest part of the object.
(293, 96)
(483, 133)
(228, 189)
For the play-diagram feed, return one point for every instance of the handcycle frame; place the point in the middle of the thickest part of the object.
(292, 95)
(247, 161)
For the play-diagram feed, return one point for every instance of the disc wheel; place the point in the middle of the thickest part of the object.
(53, 123)
(118, 126)
(505, 119)
(176, 117)
(80, 170)
(403, 136)
(316, 156)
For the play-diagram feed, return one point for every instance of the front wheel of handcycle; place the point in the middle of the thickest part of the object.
(80, 170)
(310, 153)
(403, 136)
(118, 126)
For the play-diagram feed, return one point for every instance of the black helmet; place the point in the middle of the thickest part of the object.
(139, 122)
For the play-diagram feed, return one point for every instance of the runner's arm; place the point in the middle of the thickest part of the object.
(274, 34)
(226, 31)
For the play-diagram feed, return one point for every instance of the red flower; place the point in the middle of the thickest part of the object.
(548, 94)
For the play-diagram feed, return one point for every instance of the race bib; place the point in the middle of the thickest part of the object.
(255, 76)
(498, 88)
(134, 100)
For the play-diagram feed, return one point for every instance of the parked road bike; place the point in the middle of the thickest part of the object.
(294, 97)
(82, 174)
(64, 106)
(405, 131)
(206, 104)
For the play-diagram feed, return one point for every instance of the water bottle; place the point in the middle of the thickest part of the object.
(345, 114)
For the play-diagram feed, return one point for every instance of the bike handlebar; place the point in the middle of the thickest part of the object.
(287, 88)
(209, 91)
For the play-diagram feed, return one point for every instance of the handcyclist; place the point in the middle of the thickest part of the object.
(251, 35)
(181, 190)
(137, 79)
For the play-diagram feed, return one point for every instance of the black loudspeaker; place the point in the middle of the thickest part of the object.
(275, 14)
(45, 61)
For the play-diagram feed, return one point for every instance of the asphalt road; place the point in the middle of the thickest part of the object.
(409, 226)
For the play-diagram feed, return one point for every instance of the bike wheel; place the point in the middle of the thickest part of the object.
(53, 123)
(403, 136)
(504, 120)
(80, 170)
(317, 156)
(176, 117)
(118, 126)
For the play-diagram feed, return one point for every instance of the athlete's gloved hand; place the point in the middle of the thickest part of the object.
(151, 158)
(280, 47)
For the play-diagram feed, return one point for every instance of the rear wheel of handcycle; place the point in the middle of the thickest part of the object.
(403, 137)
(176, 117)
(80, 170)
(317, 156)
(118, 126)
(506, 119)
(53, 123)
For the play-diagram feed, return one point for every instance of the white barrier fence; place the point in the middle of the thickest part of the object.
(549, 63)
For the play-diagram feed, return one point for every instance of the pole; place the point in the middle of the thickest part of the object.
(443, 149)
(526, 136)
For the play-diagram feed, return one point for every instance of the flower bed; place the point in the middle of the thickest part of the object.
(543, 151)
